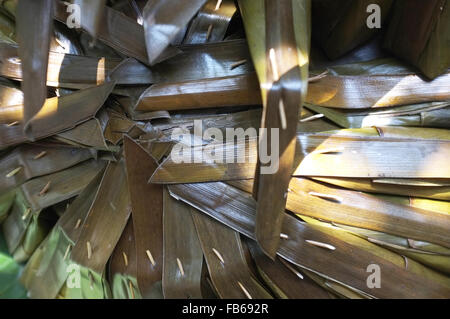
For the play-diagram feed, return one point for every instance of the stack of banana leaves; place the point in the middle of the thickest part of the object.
(224, 149)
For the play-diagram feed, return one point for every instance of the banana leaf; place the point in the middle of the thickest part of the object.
(224, 256)
(417, 33)
(15, 225)
(46, 272)
(8, 7)
(318, 155)
(65, 40)
(62, 184)
(227, 91)
(183, 259)
(9, 272)
(92, 12)
(367, 211)
(343, 291)
(59, 114)
(144, 196)
(346, 263)
(34, 44)
(211, 22)
(204, 61)
(360, 92)
(39, 282)
(434, 114)
(11, 105)
(391, 187)
(88, 134)
(128, 104)
(378, 66)
(123, 266)
(284, 281)
(280, 52)
(35, 160)
(210, 118)
(6, 202)
(370, 50)
(340, 26)
(119, 125)
(101, 230)
(381, 157)
(24, 230)
(92, 285)
(131, 72)
(117, 31)
(67, 70)
(395, 132)
(310, 122)
(163, 20)
(400, 259)
(7, 29)
(430, 255)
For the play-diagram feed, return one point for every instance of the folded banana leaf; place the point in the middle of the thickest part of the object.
(34, 44)
(380, 157)
(333, 287)
(434, 114)
(36, 232)
(119, 125)
(377, 66)
(399, 153)
(409, 188)
(59, 114)
(396, 132)
(47, 270)
(123, 266)
(280, 52)
(430, 255)
(404, 261)
(62, 185)
(85, 284)
(92, 13)
(29, 161)
(87, 134)
(340, 26)
(128, 104)
(339, 256)
(418, 34)
(284, 281)
(8, 7)
(311, 122)
(24, 229)
(204, 61)
(211, 22)
(227, 91)
(131, 72)
(9, 272)
(147, 207)
(210, 118)
(183, 259)
(11, 104)
(39, 282)
(163, 20)
(7, 29)
(203, 168)
(117, 31)
(224, 256)
(6, 202)
(105, 222)
(360, 92)
(367, 211)
(67, 70)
